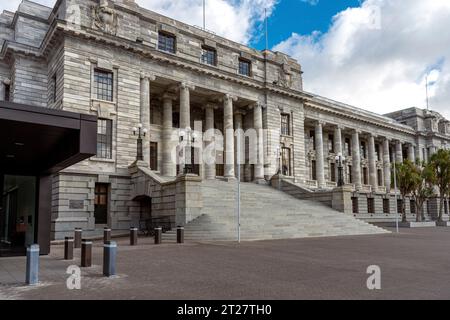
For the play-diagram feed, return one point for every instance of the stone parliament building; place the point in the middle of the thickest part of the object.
(130, 66)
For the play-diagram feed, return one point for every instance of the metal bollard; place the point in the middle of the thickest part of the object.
(158, 235)
(133, 236)
(86, 253)
(68, 248)
(78, 235)
(106, 234)
(32, 276)
(180, 235)
(109, 258)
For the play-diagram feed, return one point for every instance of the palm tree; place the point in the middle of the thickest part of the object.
(406, 182)
(440, 163)
(423, 188)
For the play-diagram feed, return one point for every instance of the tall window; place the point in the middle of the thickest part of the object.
(386, 206)
(103, 84)
(350, 174)
(348, 147)
(209, 56)
(380, 177)
(166, 42)
(101, 203)
(377, 152)
(286, 161)
(153, 155)
(312, 140)
(54, 87)
(333, 172)
(355, 205)
(363, 150)
(412, 204)
(7, 92)
(244, 67)
(104, 139)
(313, 170)
(399, 206)
(331, 143)
(285, 125)
(371, 205)
(366, 176)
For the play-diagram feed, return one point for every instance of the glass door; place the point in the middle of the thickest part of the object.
(17, 214)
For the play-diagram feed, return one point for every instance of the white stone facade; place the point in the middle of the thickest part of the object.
(49, 57)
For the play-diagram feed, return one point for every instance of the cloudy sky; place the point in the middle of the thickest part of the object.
(374, 54)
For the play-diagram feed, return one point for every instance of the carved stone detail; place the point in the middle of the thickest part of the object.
(105, 18)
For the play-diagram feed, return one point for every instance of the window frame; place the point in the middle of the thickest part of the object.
(371, 205)
(386, 206)
(242, 62)
(285, 124)
(164, 46)
(98, 89)
(205, 51)
(104, 140)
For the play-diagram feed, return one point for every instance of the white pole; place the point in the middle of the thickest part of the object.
(267, 29)
(426, 90)
(204, 14)
(396, 199)
(239, 184)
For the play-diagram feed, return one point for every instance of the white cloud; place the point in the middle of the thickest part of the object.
(377, 56)
(234, 19)
(311, 2)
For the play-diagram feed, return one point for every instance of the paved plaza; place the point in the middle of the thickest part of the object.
(414, 265)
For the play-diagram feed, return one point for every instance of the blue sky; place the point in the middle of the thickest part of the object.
(302, 17)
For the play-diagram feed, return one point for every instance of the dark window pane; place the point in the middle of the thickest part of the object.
(209, 56)
(285, 125)
(7, 92)
(244, 68)
(166, 42)
(103, 82)
(104, 139)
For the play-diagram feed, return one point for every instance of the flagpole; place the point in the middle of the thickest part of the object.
(204, 14)
(267, 29)
(239, 185)
(426, 90)
(396, 199)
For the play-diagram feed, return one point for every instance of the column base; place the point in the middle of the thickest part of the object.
(260, 181)
(230, 179)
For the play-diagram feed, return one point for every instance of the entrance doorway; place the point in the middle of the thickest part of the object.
(17, 214)
(101, 203)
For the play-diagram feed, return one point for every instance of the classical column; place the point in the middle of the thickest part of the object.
(210, 168)
(258, 126)
(185, 106)
(229, 136)
(239, 142)
(2, 91)
(320, 160)
(411, 153)
(168, 166)
(356, 157)
(338, 140)
(372, 163)
(387, 164)
(145, 114)
(398, 152)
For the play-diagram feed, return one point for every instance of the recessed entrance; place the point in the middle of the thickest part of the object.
(17, 214)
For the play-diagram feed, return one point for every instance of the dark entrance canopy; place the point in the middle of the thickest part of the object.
(37, 142)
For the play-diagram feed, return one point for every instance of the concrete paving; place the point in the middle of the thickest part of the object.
(415, 264)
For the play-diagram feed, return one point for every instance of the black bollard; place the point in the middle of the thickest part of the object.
(68, 248)
(158, 235)
(133, 236)
(86, 253)
(180, 235)
(106, 234)
(78, 237)
(109, 258)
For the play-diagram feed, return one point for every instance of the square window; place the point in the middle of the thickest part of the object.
(166, 42)
(103, 84)
(244, 67)
(209, 56)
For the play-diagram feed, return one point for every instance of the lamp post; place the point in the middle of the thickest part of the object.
(340, 161)
(141, 133)
(191, 138)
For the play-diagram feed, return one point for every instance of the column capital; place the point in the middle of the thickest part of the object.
(340, 127)
(186, 86)
(210, 105)
(239, 111)
(228, 97)
(147, 76)
(356, 131)
(256, 105)
(169, 96)
(320, 122)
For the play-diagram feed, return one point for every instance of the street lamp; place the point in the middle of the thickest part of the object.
(340, 163)
(140, 132)
(191, 138)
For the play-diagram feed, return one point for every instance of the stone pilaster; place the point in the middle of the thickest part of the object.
(372, 163)
(258, 126)
(398, 152)
(387, 164)
(320, 160)
(411, 153)
(145, 113)
(356, 157)
(169, 167)
(210, 168)
(185, 106)
(229, 136)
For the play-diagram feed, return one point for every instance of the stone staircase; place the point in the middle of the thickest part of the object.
(266, 213)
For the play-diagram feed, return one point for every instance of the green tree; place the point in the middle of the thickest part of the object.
(440, 164)
(422, 187)
(405, 181)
